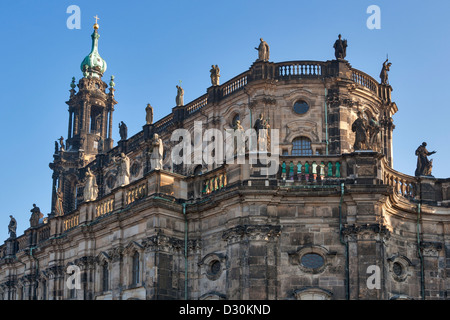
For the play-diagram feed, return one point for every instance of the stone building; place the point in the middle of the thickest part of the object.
(331, 222)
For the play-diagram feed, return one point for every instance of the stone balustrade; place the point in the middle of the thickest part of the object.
(403, 184)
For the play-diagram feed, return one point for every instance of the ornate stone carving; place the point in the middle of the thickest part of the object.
(373, 232)
(251, 232)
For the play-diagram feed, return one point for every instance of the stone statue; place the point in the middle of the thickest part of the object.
(340, 48)
(384, 72)
(90, 187)
(424, 166)
(261, 127)
(61, 143)
(240, 138)
(360, 129)
(35, 216)
(123, 170)
(123, 131)
(100, 145)
(12, 227)
(215, 75)
(59, 210)
(373, 133)
(149, 114)
(156, 158)
(180, 96)
(263, 51)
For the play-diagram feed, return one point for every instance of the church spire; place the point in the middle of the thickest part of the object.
(93, 66)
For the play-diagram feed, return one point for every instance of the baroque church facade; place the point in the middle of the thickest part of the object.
(333, 221)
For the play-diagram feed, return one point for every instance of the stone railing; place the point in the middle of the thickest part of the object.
(234, 84)
(403, 184)
(365, 80)
(299, 69)
(22, 243)
(197, 104)
(136, 192)
(214, 181)
(163, 124)
(105, 206)
(310, 170)
(43, 233)
(70, 222)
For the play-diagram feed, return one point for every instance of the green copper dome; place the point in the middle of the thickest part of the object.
(93, 66)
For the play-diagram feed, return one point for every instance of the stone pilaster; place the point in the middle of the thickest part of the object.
(252, 263)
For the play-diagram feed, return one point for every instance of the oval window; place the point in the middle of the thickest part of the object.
(301, 107)
(312, 260)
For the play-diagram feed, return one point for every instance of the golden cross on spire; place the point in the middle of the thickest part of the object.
(96, 19)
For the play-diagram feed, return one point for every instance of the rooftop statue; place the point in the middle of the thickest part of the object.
(12, 227)
(180, 96)
(35, 216)
(123, 169)
(215, 75)
(384, 72)
(263, 51)
(424, 165)
(90, 188)
(156, 157)
(340, 48)
(149, 114)
(123, 131)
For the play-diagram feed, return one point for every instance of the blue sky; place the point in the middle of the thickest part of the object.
(151, 45)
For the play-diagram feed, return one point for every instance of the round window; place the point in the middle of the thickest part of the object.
(301, 107)
(397, 268)
(312, 260)
(215, 267)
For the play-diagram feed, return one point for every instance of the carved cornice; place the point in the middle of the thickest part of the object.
(162, 242)
(251, 232)
(371, 232)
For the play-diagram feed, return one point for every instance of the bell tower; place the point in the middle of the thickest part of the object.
(89, 130)
(91, 108)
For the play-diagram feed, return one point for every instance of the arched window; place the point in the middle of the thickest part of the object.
(235, 120)
(301, 147)
(105, 277)
(135, 269)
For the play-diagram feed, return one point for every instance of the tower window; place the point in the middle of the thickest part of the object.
(105, 277)
(301, 147)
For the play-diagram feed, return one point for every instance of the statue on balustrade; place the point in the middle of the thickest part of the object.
(340, 48)
(359, 127)
(149, 114)
(12, 227)
(240, 138)
(90, 187)
(61, 143)
(384, 72)
(180, 96)
(59, 210)
(123, 131)
(215, 75)
(262, 128)
(156, 157)
(424, 166)
(36, 215)
(263, 51)
(123, 170)
(374, 134)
